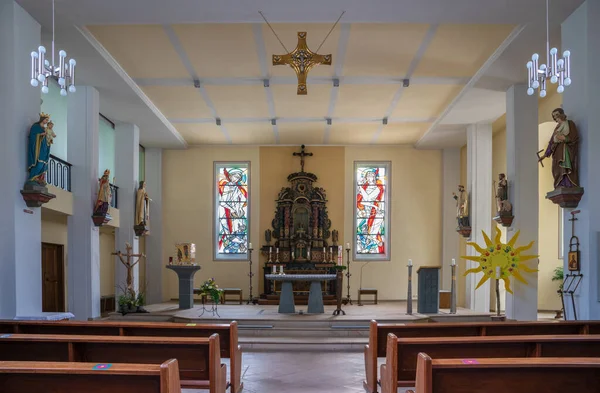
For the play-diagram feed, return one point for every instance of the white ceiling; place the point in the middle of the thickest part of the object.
(121, 100)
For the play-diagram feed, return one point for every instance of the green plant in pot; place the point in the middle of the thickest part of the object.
(131, 302)
(212, 290)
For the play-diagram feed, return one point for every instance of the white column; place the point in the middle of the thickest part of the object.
(522, 173)
(127, 165)
(155, 262)
(20, 230)
(479, 186)
(450, 242)
(84, 242)
(581, 102)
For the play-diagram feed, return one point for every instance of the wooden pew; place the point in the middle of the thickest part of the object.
(378, 335)
(402, 353)
(506, 375)
(25, 377)
(228, 335)
(198, 358)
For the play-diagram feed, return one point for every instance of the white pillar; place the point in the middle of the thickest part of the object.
(581, 102)
(479, 186)
(155, 261)
(83, 237)
(522, 173)
(450, 242)
(127, 165)
(20, 230)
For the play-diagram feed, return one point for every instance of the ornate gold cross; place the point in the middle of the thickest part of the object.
(301, 60)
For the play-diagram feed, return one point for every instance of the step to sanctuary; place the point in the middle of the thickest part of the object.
(303, 343)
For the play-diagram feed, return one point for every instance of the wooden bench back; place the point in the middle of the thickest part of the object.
(228, 333)
(548, 375)
(407, 349)
(197, 357)
(19, 377)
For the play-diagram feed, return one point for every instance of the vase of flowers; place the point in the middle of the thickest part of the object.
(210, 289)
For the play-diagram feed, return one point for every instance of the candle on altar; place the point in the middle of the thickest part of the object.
(274, 269)
(280, 269)
(340, 258)
(270, 249)
(410, 262)
(347, 246)
(250, 245)
(453, 262)
(277, 250)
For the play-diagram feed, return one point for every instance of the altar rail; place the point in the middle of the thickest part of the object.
(59, 173)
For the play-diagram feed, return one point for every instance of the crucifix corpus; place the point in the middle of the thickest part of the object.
(127, 262)
(302, 154)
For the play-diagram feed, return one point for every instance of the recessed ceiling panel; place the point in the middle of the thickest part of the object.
(144, 51)
(401, 133)
(220, 50)
(251, 133)
(290, 104)
(366, 101)
(425, 101)
(178, 102)
(301, 133)
(288, 33)
(352, 133)
(382, 49)
(202, 133)
(239, 101)
(461, 50)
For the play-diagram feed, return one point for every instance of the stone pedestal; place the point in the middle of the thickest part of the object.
(566, 197)
(504, 219)
(185, 273)
(35, 195)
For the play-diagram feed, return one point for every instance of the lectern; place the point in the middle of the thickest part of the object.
(186, 284)
(428, 301)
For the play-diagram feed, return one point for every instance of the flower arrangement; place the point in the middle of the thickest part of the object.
(210, 288)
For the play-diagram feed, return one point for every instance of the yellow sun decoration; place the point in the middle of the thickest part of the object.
(499, 260)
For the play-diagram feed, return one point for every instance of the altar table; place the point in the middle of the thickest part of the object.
(315, 296)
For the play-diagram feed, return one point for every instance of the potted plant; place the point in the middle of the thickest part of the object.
(210, 289)
(559, 276)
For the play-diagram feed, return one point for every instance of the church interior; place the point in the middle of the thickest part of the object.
(383, 196)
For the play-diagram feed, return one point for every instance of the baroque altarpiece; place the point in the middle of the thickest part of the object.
(301, 230)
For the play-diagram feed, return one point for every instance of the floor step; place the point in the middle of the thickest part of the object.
(303, 332)
(264, 344)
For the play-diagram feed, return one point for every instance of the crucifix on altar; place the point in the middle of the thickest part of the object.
(126, 260)
(302, 154)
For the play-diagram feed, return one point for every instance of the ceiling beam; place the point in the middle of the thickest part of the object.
(474, 79)
(302, 120)
(411, 70)
(190, 69)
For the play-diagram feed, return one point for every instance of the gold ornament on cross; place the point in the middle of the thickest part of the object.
(302, 60)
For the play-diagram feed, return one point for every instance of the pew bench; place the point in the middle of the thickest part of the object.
(378, 336)
(228, 335)
(198, 358)
(402, 353)
(20, 377)
(506, 375)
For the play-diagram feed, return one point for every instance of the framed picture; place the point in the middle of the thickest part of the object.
(573, 261)
(186, 253)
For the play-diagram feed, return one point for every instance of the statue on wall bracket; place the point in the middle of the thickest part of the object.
(504, 209)
(41, 136)
(142, 211)
(462, 212)
(563, 147)
(103, 201)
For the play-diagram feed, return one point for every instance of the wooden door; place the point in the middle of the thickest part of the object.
(53, 278)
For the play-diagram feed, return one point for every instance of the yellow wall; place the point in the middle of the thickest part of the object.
(63, 203)
(188, 195)
(54, 230)
(416, 216)
(107, 261)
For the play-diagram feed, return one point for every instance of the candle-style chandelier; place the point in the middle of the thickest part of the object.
(555, 69)
(42, 69)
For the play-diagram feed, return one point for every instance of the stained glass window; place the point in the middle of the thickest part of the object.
(232, 210)
(371, 219)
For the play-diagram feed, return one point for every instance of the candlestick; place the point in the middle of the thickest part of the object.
(453, 289)
(250, 297)
(409, 295)
(348, 300)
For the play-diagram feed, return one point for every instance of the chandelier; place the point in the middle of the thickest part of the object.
(555, 69)
(42, 69)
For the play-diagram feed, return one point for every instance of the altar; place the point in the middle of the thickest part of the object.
(315, 298)
(301, 240)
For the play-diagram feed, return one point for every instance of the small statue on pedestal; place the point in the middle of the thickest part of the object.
(142, 211)
(335, 237)
(504, 214)
(462, 212)
(41, 136)
(563, 147)
(101, 215)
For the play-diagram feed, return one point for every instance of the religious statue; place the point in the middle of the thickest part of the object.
(38, 149)
(503, 206)
(335, 237)
(268, 235)
(370, 202)
(462, 211)
(103, 201)
(563, 147)
(142, 211)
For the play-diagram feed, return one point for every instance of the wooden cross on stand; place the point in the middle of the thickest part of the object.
(129, 265)
(302, 154)
(301, 60)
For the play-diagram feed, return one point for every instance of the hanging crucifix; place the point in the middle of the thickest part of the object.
(301, 59)
(302, 154)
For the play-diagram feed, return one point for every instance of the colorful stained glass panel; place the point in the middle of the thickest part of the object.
(371, 219)
(232, 210)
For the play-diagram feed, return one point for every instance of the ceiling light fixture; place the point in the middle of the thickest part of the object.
(557, 70)
(42, 70)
